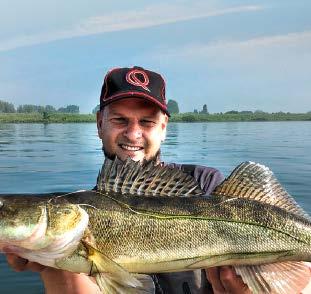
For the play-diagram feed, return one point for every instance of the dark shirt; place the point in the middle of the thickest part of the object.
(190, 282)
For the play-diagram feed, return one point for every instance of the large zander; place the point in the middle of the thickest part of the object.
(148, 219)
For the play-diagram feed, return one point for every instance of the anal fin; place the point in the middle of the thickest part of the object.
(279, 278)
(108, 284)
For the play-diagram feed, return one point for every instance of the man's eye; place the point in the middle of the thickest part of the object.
(118, 120)
(147, 123)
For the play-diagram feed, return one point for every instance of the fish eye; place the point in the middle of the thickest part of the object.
(1, 203)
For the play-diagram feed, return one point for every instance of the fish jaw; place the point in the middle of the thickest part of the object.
(26, 234)
(59, 246)
(40, 230)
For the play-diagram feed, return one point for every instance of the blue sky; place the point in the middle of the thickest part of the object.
(242, 55)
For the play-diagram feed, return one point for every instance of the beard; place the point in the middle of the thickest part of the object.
(156, 158)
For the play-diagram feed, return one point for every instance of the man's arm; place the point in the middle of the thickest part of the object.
(55, 281)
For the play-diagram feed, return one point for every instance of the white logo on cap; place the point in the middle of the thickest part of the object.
(134, 77)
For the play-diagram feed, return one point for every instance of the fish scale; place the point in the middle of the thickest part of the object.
(146, 218)
(193, 223)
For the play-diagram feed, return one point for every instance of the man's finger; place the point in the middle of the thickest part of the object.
(20, 264)
(213, 276)
(17, 263)
(231, 282)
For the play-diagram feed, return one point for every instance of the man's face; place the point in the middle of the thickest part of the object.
(132, 128)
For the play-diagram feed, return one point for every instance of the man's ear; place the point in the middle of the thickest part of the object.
(99, 122)
(164, 126)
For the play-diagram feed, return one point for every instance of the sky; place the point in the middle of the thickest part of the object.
(229, 55)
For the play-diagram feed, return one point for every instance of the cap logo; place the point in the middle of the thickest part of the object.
(135, 76)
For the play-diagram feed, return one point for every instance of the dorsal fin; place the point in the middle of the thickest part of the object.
(255, 181)
(146, 178)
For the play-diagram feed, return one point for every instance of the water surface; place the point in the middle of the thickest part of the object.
(39, 158)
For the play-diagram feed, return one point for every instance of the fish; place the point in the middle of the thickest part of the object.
(146, 218)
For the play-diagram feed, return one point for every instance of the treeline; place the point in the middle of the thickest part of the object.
(241, 116)
(256, 112)
(198, 115)
(6, 107)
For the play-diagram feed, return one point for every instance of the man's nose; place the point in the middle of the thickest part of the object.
(133, 131)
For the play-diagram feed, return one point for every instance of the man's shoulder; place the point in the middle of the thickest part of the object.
(207, 177)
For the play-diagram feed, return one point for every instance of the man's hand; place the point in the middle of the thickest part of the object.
(19, 264)
(55, 281)
(225, 280)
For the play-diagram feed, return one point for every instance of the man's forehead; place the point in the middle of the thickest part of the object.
(134, 104)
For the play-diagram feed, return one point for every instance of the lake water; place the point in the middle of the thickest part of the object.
(39, 158)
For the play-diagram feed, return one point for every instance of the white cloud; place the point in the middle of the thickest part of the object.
(147, 17)
(271, 72)
(231, 50)
(276, 40)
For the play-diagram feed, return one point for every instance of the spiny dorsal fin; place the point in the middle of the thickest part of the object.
(147, 178)
(280, 278)
(255, 181)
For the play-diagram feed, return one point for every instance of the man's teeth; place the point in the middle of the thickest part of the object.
(131, 148)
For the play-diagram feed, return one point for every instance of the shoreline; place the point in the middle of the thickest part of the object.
(182, 117)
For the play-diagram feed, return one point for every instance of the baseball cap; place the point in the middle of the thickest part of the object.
(136, 82)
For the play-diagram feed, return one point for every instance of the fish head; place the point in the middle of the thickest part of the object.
(20, 219)
(34, 223)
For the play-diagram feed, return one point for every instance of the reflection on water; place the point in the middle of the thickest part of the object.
(51, 157)
(172, 134)
(65, 157)
(282, 146)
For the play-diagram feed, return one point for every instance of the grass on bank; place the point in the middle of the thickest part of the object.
(37, 117)
(217, 117)
(182, 117)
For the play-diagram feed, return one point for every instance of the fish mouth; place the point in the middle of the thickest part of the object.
(131, 148)
(28, 237)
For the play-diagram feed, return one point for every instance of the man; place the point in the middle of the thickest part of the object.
(132, 122)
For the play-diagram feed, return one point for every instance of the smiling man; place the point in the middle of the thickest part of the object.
(132, 122)
(132, 127)
(133, 114)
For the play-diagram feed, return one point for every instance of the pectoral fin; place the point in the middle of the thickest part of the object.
(112, 278)
(281, 278)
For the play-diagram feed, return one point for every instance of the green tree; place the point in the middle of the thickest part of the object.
(6, 107)
(96, 109)
(232, 112)
(29, 108)
(204, 109)
(69, 109)
(189, 117)
(40, 109)
(73, 109)
(172, 106)
(258, 111)
(46, 115)
(61, 109)
(50, 108)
